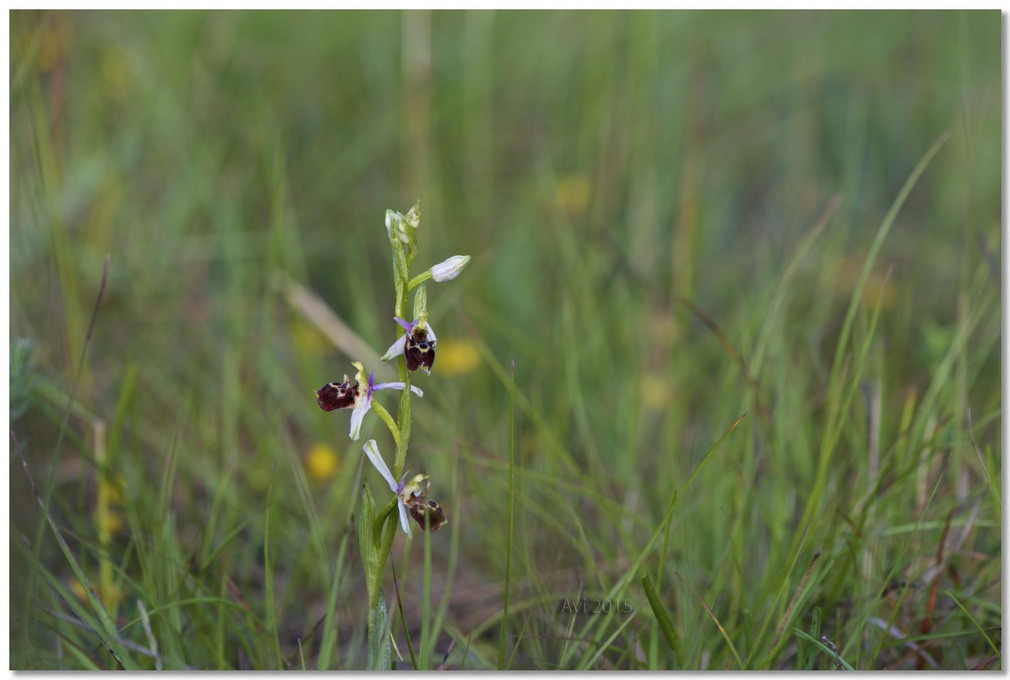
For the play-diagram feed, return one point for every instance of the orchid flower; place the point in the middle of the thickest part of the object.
(410, 496)
(418, 344)
(336, 395)
(372, 451)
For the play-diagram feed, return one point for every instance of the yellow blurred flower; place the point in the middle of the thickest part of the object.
(110, 599)
(878, 287)
(457, 356)
(322, 462)
(78, 590)
(656, 392)
(572, 194)
(116, 522)
(115, 489)
(113, 521)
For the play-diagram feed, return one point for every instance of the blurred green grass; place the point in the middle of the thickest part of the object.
(601, 168)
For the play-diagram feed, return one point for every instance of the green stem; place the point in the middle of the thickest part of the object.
(380, 519)
(418, 280)
(388, 420)
(509, 543)
(403, 421)
(403, 413)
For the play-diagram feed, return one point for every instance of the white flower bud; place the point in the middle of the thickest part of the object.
(396, 227)
(413, 217)
(450, 269)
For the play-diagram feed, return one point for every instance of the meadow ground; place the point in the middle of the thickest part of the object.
(679, 221)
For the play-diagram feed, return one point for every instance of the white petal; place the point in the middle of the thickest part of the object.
(417, 391)
(372, 451)
(431, 333)
(404, 522)
(358, 415)
(396, 349)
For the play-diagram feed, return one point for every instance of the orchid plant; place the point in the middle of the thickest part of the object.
(416, 344)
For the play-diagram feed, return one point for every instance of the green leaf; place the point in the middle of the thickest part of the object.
(663, 618)
(368, 540)
(378, 638)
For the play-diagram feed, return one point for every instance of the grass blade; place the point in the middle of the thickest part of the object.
(824, 648)
(508, 543)
(829, 432)
(107, 626)
(993, 645)
(663, 618)
(711, 614)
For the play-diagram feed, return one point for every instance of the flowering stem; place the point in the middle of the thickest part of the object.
(386, 520)
(379, 528)
(380, 518)
(388, 420)
(401, 301)
(418, 280)
(402, 413)
(403, 418)
(401, 435)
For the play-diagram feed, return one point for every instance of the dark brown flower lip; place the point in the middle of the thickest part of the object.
(334, 395)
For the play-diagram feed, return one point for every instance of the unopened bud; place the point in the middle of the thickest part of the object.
(413, 217)
(450, 269)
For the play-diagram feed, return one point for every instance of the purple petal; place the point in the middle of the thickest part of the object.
(405, 325)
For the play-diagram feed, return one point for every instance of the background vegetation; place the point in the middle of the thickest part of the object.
(676, 218)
